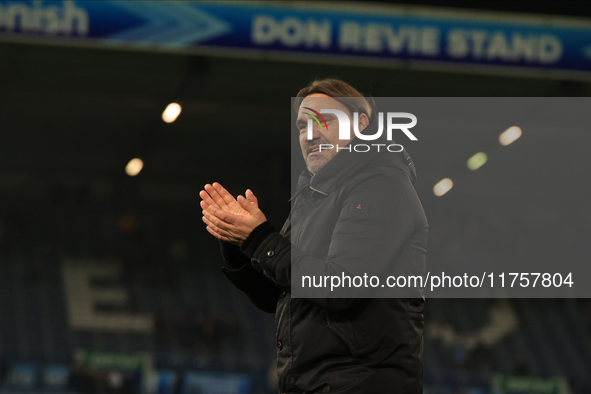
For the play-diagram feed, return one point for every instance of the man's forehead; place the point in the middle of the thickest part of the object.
(318, 102)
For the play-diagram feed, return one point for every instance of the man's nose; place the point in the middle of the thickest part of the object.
(316, 131)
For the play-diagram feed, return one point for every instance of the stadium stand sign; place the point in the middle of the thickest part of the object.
(528, 384)
(119, 361)
(319, 32)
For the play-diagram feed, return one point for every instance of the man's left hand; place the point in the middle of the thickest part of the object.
(233, 228)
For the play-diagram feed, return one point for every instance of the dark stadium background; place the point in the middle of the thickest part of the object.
(71, 118)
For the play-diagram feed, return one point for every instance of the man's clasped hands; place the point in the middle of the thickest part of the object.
(227, 218)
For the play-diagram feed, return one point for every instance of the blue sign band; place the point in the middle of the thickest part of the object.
(357, 33)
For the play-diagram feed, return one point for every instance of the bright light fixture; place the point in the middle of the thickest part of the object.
(476, 161)
(171, 112)
(134, 167)
(509, 135)
(442, 187)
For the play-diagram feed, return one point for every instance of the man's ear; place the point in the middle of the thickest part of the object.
(363, 121)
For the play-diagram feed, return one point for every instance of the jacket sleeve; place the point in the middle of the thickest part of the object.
(262, 292)
(364, 240)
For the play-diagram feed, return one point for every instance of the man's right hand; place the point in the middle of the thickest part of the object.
(219, 197)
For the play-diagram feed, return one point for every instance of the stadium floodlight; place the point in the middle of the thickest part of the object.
(442, 187)
(509, 135)
(477, 161)
(134, 167)
(171, 112)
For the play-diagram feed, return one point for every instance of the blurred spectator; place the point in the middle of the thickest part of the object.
(162, 328)
(129, 385)
(231, 332)
(114, 382)
(178, 384)
(459, 353)
(4, 371)
(479, 358)
(521, 367)
(211, 331)
(82, 381)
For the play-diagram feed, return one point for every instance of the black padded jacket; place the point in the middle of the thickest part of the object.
(361, 208)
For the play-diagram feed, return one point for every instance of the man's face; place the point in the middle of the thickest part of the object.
(314, 158)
